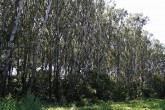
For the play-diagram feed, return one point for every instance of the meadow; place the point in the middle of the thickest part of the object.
(139, 104)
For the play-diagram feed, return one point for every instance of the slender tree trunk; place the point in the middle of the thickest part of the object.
(10, 48)
(118, 58)
(24, 69)
(57, 58)
(6, 10)
(51, 58)
(38, 47)
(1, 40)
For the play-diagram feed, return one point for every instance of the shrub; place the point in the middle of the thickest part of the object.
(30, 103)
(8, 103)
(120, 92)
(85, 102)
(162, 104)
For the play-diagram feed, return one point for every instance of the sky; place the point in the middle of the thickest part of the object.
(154, 9)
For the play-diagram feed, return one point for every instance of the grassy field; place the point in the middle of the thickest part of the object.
(145, 104)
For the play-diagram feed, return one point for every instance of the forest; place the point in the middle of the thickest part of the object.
(66, 51)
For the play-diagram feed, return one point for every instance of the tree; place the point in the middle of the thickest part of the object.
(10, 48)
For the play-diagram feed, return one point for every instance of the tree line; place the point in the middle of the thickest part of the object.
(74, 49)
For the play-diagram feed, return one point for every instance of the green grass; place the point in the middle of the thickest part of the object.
(145, 104)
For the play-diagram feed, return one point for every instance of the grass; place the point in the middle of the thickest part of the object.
(144, 104)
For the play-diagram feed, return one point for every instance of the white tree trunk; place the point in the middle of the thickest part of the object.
(38, 45)
(4, 14)
(10, 46)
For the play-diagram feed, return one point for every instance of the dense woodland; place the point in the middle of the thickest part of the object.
(75, 49)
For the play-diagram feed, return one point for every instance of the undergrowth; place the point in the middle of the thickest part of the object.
(30, 102)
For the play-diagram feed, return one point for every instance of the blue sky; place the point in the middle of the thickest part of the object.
(154, 9)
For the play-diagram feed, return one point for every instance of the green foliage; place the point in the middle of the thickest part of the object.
(30, 102)
(162, 104)
(63, 102)
(154, 87)
(8, 103)
(120, 92)
(86, 102)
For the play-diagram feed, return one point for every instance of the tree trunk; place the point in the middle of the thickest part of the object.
(38, 48)
(50, 60)
(1, 40)
(10, 48)
(6, 10)
(57, 58)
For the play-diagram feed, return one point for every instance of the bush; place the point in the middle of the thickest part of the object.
(85, 102)
(162, 104)
(8, 103)
(120, 92)
(30, 102)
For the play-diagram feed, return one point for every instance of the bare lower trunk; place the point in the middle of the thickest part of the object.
(50, 61)
(0, 50)
(57, 57)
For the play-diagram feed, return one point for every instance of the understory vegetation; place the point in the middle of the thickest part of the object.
(79, 52)
(30, 102)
